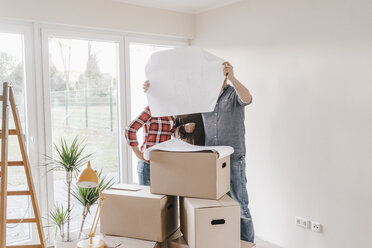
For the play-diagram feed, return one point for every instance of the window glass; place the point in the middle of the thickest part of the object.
(12, 70)
(83, 97)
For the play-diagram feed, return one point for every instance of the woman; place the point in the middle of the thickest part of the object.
(155, 130)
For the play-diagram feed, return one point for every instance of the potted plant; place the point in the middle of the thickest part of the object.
(59, 217)
(89, 196)
(68, 158)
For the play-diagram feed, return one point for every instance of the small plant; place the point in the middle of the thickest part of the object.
(89, 196)
(59, 216)
(69, 159)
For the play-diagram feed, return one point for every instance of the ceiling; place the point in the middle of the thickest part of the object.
(186, 6)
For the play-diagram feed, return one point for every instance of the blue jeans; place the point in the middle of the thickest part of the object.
(143, 170)
(238, 191)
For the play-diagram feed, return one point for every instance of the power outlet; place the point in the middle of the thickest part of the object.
(316, 227)
(302, 222)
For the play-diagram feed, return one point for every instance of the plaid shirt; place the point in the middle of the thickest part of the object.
(155, 130)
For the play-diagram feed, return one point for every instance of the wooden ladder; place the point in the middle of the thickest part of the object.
(6, 98)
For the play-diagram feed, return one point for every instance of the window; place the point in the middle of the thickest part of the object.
(83, 82)
(139, 54)
(12, 70)
(71, 82)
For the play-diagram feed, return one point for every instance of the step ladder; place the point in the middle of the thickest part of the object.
(6, 98)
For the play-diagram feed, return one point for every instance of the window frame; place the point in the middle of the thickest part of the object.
(124, 102)
(66, 33)
(37, 91)
(31, 124)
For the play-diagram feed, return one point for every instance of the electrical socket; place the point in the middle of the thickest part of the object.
(302, 222)
(316, 227)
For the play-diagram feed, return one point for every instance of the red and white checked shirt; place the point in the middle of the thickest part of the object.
(155, 129)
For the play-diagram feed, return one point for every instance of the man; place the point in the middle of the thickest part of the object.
(225, 126)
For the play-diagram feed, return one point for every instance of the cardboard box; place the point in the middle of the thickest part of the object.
(132, 211)
(246, 244)
(190, 174)
(210, 223)
(178, 243)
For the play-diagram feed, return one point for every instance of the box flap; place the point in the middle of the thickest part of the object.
(225, 201)
(202, 203)
(246, 244)
(124, 242)
(130, 187)
(133, 190)
(175, 234)
(178, 243)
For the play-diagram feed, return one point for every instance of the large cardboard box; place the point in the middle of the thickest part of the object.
(190, 174)
(210, 223)
(132, 211)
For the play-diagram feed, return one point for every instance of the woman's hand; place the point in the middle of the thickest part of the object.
(146, 86)
(189, 127)
(139, 154)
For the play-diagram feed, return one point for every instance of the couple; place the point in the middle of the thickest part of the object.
(224, 126)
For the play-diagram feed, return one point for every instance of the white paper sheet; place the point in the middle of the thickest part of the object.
(183, 81)
(177, 145)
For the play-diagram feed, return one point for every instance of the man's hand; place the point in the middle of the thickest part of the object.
(228, 70)
(146, 86)
(241, 90)
(139, 154)
(189, 127)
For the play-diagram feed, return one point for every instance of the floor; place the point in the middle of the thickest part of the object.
(263, 244)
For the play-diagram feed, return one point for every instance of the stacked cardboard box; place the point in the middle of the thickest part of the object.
(210, 223)
(190, 174)
(209, 217)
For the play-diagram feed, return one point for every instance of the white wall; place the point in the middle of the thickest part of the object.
(309, 129)
(106, 14)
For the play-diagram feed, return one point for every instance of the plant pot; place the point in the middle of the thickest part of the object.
(58, 243)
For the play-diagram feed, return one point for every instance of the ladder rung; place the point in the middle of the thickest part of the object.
(23, 246)
(19, 192)
(15, 221)
(15, 163)
(10, 132)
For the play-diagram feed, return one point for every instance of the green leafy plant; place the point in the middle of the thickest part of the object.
(68, 158)
(89, 196)
(59, 216)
